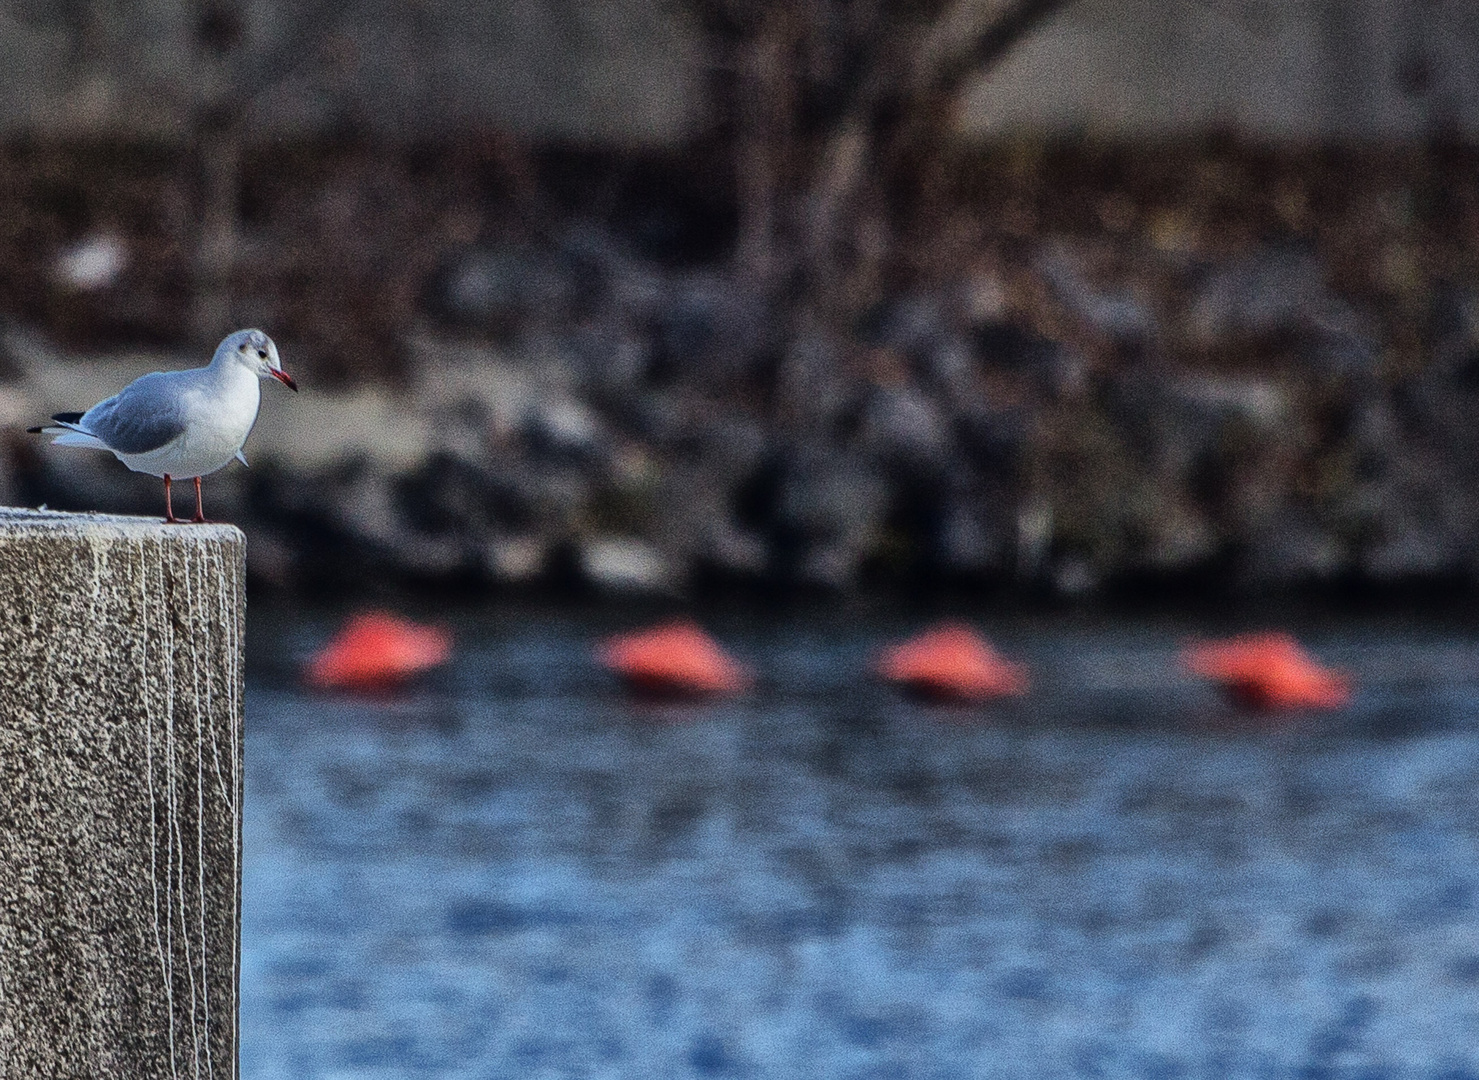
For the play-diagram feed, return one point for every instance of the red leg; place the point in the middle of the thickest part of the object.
(169, 510)
(199, 517)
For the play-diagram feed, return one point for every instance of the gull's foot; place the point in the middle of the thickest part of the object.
(172, 520)
(199, 520)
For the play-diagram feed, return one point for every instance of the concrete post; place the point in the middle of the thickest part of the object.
(120, 796)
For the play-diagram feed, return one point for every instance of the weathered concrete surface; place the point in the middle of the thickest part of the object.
(120, 795)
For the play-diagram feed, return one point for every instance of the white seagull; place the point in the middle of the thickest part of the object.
(183, 424)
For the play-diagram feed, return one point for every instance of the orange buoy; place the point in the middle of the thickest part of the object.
(673, 660)
(951, 662)
(376, 650)
(1267, 671)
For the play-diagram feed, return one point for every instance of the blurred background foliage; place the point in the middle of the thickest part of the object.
(1051, 296)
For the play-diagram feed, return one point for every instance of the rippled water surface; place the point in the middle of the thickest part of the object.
(513, 871)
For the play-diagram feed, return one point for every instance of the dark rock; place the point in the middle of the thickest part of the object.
(1074, 578)
(1015, 347)
(562, 425)
(1034, 537)
(1453, 333)
(515, 560)
(448, 495)
(831, 564)
(733, 445)
(1176, 538)
(611, 361)
(1341, 344)
(561, 497)
(811, 389)
(733, 551)
(709, 330)
(1261, 401)
(1293, 549)
(1408, 552)
(656, 418)
(494, 287)
(828, 494)
(1281, 291)
(432, 557)
(902, 423)
(627, 565)
(85, 480)
(920, 329)
(828, 514)
(1258, 295)
(1113, 311)
(951, 367)
(974, 540)
(992, 439)
(271, 557)
(697, 513)
(914, 325)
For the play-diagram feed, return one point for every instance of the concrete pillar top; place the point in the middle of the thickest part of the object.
(120, 796)
(14, 519)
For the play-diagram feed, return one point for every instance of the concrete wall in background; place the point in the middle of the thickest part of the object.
(1281, 69)
(614, 72)
(630, 72)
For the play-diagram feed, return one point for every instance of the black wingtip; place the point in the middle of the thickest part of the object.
(66, 417)
(33, 431)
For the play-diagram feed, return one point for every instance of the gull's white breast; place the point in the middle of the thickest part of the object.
(218, 416)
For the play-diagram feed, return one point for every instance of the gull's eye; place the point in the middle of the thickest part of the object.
(262, 353)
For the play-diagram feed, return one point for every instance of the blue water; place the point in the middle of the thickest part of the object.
(513, 871)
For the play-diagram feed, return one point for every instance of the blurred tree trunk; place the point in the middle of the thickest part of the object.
(218, 38)
(835, 110)
(218, 155)
(230, 71)
(762, 141)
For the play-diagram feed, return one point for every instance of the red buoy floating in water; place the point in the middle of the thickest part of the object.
(677, 659)
(1267, 671)
(951, 662)
(376, 650)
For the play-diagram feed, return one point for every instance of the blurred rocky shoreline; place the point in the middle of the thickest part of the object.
(1225, 370)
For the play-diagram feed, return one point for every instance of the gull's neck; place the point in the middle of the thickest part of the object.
(222, 360)
(225, 370)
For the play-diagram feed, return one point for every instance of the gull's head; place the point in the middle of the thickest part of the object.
(255, 351)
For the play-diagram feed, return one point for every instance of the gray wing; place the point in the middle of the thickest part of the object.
(143, 416)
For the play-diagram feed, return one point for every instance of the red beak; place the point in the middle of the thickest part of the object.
(284, 378)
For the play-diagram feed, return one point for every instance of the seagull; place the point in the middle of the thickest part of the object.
(183, 424)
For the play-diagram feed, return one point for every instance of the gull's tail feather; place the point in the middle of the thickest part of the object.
(65, 437)
(67, 432)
